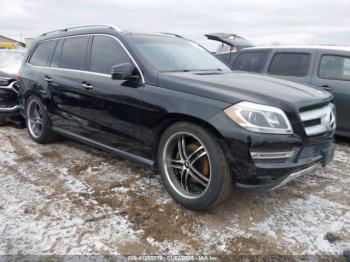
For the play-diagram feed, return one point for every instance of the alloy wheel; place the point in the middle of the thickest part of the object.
(35, 119)
(187, 164)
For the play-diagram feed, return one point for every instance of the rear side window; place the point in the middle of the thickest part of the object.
(105, 53)
(335, 67)
(55, 61)
(42, 54)
(250, 61)
(74, 53)
(290, 64)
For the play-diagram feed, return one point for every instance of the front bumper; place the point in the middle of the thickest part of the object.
(263, 162)
(269, 174)
(276, 184)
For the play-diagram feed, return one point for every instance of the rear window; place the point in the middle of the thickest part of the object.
(74, 53)
(42, 54)
(335, 67)
(290, 64)
(250, 61)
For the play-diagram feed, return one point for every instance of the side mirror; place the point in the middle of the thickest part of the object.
(125, 71)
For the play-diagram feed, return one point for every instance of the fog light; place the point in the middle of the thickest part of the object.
(272, 155)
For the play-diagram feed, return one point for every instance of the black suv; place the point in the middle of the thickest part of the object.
(164, 101)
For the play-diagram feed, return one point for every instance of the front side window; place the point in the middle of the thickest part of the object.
(167, 53)
(250, 61)
(42, 54)
(105, 53)
(335, 67)
(290, 64)
(74, 53)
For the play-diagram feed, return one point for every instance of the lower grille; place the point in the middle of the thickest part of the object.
(319, 121)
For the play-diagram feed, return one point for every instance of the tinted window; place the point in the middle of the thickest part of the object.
(335, 67)
(74, 53)
(55, 62)
(251, 62)
(167, 53)
(105, 53)
(290, 64)
(42, 54)
(225, 48)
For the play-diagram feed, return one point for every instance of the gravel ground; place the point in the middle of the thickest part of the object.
(65, 198)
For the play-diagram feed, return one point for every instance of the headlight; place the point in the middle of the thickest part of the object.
(4, 81)
(260, 118)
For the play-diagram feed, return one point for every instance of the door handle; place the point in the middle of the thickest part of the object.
(87, 86)
(48, 79)
(327, 88)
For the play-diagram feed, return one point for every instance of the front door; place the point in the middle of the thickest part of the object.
(113, 108)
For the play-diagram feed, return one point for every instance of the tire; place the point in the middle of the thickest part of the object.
(44, 133)
(179, 163)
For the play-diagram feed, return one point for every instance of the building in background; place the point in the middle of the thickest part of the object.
(9, 43)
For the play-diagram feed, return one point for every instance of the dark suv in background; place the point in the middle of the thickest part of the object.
(327, 67)
(166, 102)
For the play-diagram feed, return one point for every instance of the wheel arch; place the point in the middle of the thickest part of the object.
(173, 118)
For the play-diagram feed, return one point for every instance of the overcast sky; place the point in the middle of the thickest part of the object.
(262, 22)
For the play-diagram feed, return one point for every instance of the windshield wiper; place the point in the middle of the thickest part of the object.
(193, 70)
(212, 69)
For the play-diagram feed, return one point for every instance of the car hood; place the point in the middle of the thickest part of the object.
(233, 87)
(9, 72)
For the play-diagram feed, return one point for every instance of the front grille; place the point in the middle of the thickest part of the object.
(319, 120)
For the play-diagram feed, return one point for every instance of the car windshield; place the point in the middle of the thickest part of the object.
(167, 54)
(10, 59)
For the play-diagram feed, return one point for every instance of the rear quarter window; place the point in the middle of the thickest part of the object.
(250, 61)
(290, 64)
(42, 53)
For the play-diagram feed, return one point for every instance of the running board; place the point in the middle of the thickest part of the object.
(103, 147)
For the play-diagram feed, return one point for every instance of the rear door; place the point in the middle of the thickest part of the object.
(67, 94)
(332, 72)
(292, 65)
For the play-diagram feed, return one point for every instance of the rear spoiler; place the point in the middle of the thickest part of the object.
(230, 39)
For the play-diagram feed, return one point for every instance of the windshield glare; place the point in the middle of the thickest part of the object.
(166, 53)
(10, 59)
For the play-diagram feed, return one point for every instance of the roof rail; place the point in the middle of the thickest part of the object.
(82, 27)
(176, 35)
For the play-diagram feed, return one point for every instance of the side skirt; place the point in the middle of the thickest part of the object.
(103, 147)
